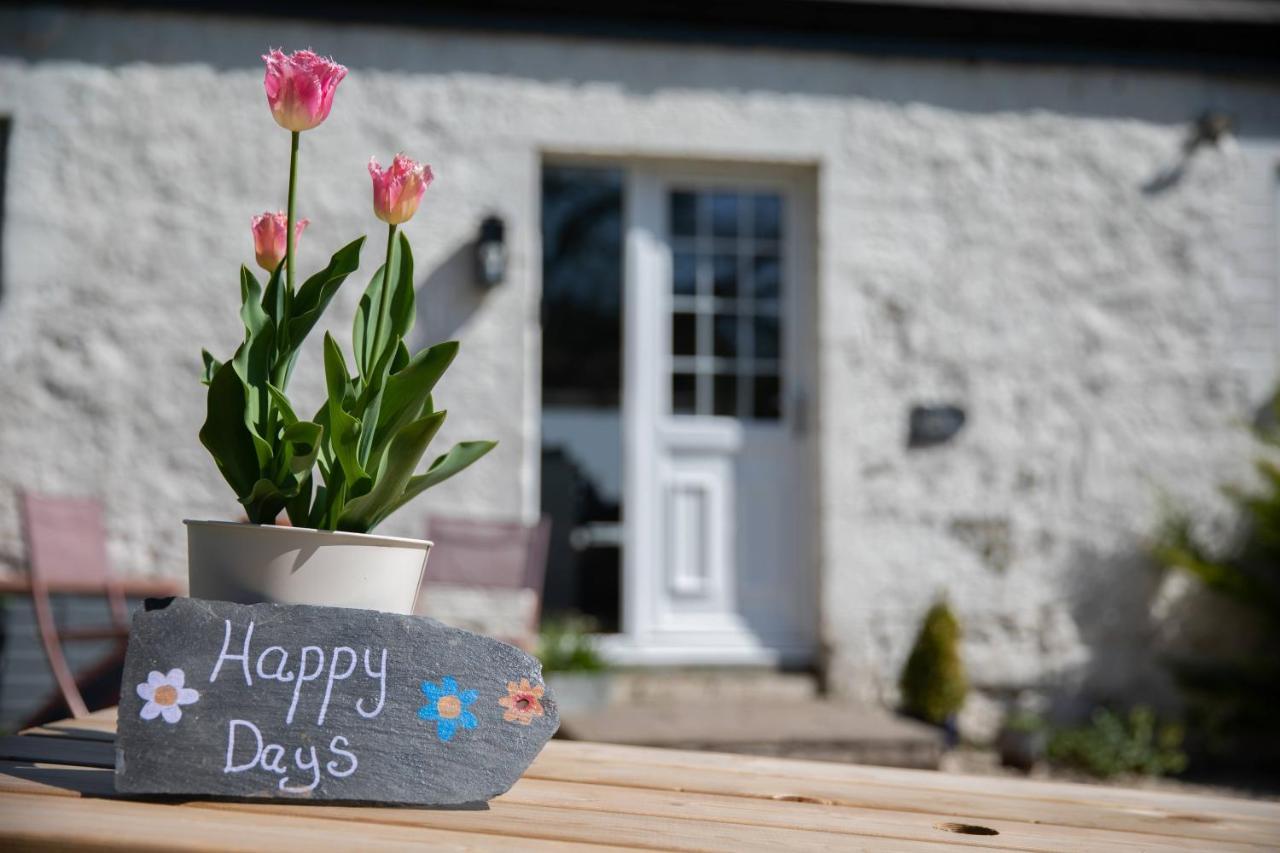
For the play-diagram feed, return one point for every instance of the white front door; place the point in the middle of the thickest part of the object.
(718, 566)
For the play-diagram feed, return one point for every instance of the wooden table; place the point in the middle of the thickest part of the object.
(56, 792)
(20, 584)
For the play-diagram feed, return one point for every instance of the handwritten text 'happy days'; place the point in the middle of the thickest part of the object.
(272, 664)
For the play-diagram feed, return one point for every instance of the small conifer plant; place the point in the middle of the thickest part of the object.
(933, 682)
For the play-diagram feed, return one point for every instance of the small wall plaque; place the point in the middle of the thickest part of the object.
(932, 425)
(323, 703)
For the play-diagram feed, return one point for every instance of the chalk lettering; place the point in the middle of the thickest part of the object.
(273, 758)
(337, 750)
(231, 746)
(381, 675)
(243, 658)
(313, 765)
(304, 676)
(280, 674)
(333, 676)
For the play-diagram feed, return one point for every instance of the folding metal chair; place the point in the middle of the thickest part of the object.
(489, 554)
(67, 552)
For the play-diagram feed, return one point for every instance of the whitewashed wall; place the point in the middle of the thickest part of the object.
(985, 238)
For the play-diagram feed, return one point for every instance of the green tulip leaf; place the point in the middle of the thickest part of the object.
(264, 502)
(273, 295)
(410, 443)
(409, 389)
(344, 430)
(299, 506)
(459, 457)
(302, 438)
(211, 366)
(402, 298)
(316, 292)
(398, 320)
(283, 406)
(225, 433)
(251, 311)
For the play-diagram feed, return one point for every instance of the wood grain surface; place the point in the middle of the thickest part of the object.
(56, 792)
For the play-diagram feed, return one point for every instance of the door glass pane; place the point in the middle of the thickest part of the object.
(765, 398)
(764, 273)
(684, 214)
(684, 334)
(726, 334)
(727, 297)
(581, 425)
(766, 216)
(684, 396)
(726, 276)
(581, 287)
(765, 337)
(724, 215)
(726, 394)
(684, 274)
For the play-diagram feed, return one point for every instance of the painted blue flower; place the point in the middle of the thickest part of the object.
(447, 707)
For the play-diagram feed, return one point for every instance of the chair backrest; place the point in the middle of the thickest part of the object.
(67, 553)
(502, 554)
(66, 543)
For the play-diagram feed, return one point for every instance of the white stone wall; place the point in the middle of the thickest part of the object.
(984, 238)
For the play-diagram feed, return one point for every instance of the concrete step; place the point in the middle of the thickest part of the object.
(763, 724)
(674, 685)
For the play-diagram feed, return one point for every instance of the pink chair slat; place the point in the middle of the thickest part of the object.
(502, 554)
(66, 542)
(67, 553)
(493, 555)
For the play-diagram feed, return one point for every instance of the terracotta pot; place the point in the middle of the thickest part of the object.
(256, 563)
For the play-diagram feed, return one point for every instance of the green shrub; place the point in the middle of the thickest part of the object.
(567, 645)
(933, 681)
(1230, 703)
(1113, 744)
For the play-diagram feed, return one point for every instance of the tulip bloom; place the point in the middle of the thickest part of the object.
(300, 88)
(397, 190)
(268, 238)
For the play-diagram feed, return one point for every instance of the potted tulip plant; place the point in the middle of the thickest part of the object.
(341, 471)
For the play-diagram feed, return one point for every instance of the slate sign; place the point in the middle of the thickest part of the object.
(323, 703)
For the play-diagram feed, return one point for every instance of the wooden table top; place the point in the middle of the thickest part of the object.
(56, 791)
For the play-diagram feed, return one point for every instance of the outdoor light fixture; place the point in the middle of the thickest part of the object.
(491, 252)
(1209, 129)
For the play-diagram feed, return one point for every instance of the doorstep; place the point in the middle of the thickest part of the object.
(818, 729)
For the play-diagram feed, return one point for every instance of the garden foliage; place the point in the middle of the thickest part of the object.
(1114, 744)
(1231, 699)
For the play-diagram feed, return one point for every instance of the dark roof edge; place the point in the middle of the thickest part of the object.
(1206, 11)
(1028, 31)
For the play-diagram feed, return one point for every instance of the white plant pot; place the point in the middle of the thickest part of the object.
(256, 563)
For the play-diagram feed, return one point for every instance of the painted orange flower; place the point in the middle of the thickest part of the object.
(521, 702)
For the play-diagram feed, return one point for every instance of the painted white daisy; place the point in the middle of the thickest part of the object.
(165, 694)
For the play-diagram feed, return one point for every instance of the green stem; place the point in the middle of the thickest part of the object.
(293, 186)
(384, 300)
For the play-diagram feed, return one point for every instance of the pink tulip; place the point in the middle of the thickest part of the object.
(397, 190)
(300, 88)
(268, 238)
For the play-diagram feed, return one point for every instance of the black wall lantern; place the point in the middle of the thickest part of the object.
(491, 252)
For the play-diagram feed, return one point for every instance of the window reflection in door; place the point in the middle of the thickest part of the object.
(582, 246)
